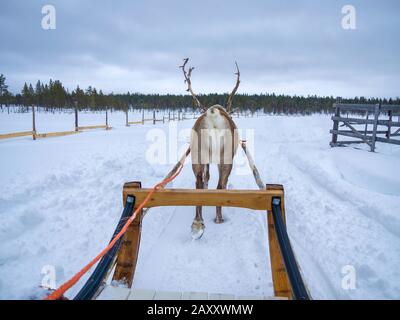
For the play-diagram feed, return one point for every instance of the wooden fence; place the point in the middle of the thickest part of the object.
(35, 135)
(179, 116)
(371, 118)
(81, 128)
(171, 116)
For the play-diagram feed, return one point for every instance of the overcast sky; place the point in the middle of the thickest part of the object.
(290, 47)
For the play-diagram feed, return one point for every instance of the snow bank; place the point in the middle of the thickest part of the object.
(60, 199)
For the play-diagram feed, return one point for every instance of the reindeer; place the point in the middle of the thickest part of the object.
(214, 139)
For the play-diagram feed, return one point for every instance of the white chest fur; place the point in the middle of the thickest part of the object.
(214, 120)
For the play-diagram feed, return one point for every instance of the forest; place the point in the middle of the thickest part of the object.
(53, 95)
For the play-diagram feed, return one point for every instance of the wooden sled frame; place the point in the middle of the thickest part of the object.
(251, 199)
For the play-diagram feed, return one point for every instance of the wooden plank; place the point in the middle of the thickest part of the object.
(388, 123)
(366, 125)
(335, 124)
(386, 140)
(135, 122)
(279, 276)
(141, 294)
(375, 128)
(93, 127)
(341, 143)
(364, 132)
(129, 250)
(55, 134)
(353, 135)
(167, 295)
(113, 293)
(396, 133)
(390, 107)
(250, 199)
(356, 107)
(352, 120)
(16, 134)
(195, 296)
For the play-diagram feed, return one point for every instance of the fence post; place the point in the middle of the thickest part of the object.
(390, 113)
(126, 117)
(376, 116)
(142, 116)
(107, 127)
(33, 123)
(154, 116)
(335, 125)
(366, 124)
(169, 115)
(76, 118)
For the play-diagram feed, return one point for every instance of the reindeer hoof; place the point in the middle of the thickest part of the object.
(197, 229)
(218, 220)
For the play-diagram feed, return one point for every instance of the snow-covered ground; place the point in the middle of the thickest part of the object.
(60, 199)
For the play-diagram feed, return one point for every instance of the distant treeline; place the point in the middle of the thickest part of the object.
(53, 95)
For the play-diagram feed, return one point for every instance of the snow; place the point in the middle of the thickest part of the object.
(60, 200)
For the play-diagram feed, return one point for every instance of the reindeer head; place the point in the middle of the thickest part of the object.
(214, 109)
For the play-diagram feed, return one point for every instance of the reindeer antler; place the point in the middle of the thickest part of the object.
(187, 75)
(230, 98)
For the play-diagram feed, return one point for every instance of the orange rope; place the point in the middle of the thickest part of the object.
(68, 284)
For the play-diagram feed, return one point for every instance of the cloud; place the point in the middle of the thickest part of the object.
(292, 47)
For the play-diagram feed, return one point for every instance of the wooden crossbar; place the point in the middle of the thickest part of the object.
(15, 134)
(250, 199)
(103, 126)
(55, 134)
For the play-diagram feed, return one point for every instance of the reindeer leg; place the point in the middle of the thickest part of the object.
(206, 176)
(224, 172)
(198, 224)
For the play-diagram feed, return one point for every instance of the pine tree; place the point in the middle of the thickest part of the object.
(26, 96)
(3, 86)
(38, 93)
(79, 98)
(4, 94)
